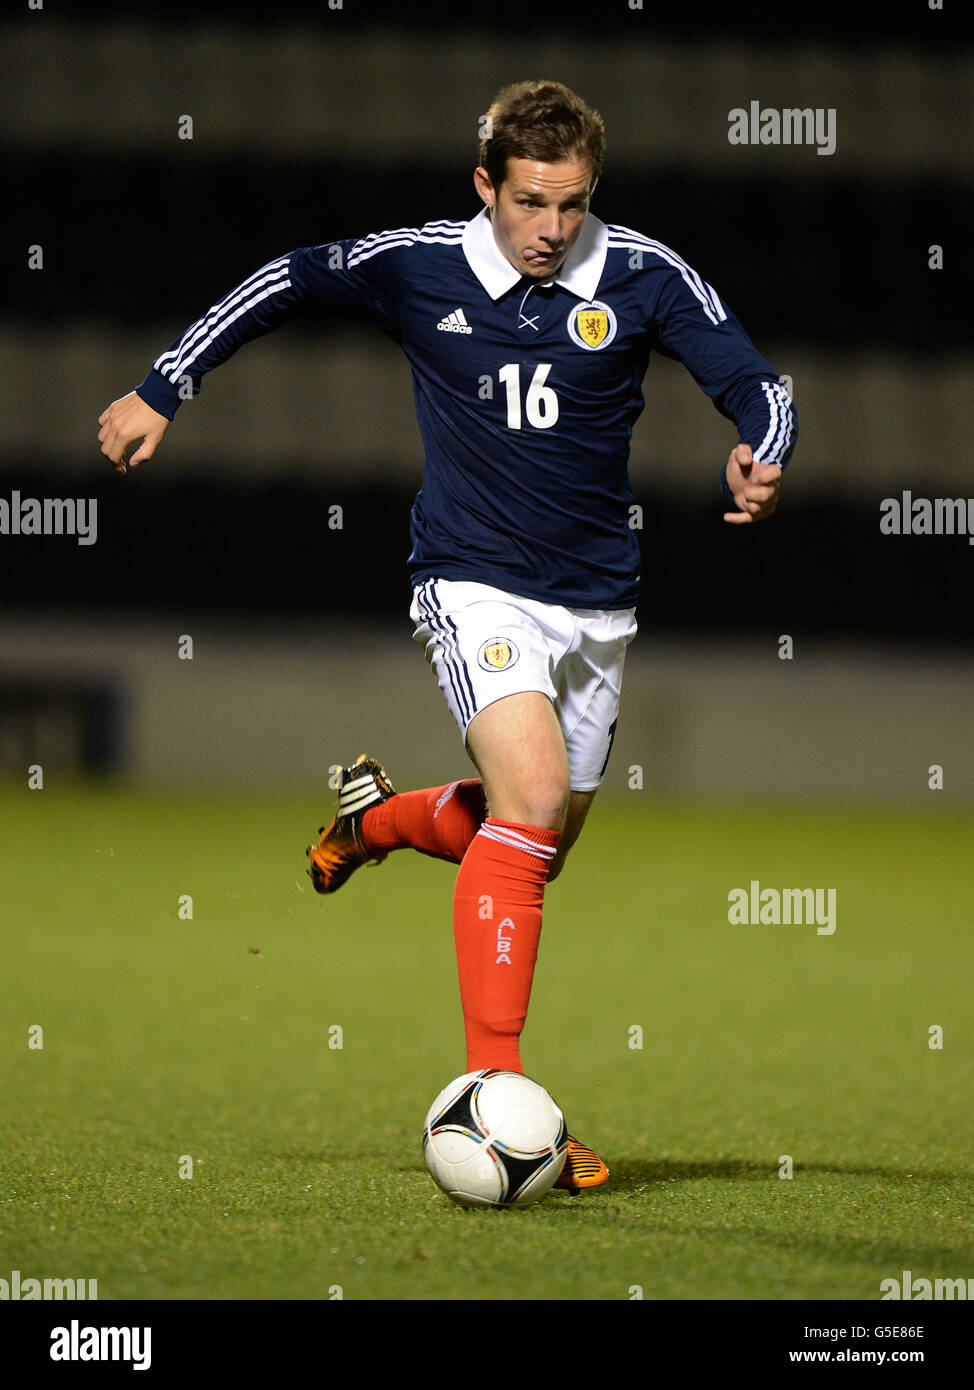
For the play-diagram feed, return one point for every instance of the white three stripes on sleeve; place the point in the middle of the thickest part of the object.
(431, 234)
(775, 442)
(623, 238)
(270, 279)
(274, 277)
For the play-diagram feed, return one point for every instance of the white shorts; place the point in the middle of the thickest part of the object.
(484, 644)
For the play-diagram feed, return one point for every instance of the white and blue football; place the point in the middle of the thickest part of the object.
(494, 1139)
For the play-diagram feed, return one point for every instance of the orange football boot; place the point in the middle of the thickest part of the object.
(340, 851)
(583, 1168)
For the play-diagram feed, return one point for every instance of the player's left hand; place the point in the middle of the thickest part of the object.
(754, 485)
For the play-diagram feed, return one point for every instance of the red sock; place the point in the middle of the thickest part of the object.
(438, 821)
(496, 926)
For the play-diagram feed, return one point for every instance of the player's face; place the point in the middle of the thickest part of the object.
(537, 212)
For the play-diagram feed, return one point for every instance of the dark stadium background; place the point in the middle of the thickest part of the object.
(827, 263)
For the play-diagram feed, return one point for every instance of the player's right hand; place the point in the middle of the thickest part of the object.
(125, 420)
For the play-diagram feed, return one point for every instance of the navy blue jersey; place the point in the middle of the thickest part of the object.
(526, 393)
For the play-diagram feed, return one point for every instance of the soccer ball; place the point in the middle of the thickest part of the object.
(494, 1139)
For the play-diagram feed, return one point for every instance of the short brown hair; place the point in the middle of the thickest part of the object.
(544, 121)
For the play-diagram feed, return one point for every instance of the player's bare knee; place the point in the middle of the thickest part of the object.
(547, 805)
(545, 810)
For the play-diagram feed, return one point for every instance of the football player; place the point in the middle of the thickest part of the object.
(529, 329)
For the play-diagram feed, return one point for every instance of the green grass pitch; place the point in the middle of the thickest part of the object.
(165, 1037)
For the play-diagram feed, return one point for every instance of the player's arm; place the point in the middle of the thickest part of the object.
(312, 279)
(767, 426)
(694, 326)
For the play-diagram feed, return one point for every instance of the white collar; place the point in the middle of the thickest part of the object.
(580, 272)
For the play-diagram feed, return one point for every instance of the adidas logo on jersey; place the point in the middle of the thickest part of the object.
(454, 323)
